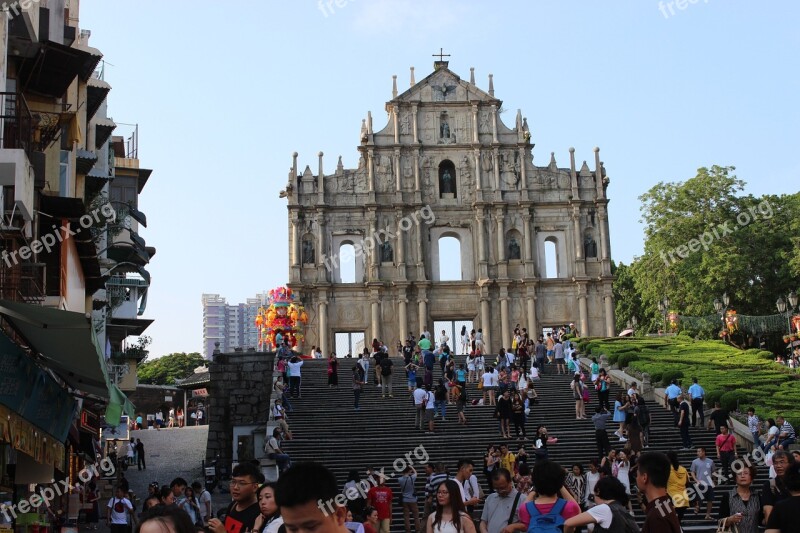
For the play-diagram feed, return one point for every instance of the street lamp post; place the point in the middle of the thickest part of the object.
(787, 306)
(663, 307)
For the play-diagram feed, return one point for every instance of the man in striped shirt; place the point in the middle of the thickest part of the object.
(787, 435)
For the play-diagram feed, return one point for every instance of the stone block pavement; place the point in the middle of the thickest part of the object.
(169, 453)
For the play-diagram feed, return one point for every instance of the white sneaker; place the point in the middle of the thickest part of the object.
(623, 439)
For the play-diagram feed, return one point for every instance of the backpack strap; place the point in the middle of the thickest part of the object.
(514, 508)
(558, 507)
(533, 511)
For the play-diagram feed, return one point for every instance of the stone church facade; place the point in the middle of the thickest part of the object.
(445, 165)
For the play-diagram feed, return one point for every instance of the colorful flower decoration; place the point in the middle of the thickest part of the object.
(284, 316)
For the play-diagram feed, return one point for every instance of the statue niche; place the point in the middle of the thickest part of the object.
(589, 246)
(308, 251)
(447, 179)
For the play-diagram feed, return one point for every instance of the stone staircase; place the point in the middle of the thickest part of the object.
(327, 429)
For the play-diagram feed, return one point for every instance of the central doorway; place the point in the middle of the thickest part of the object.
(349, 342)
(452, 328)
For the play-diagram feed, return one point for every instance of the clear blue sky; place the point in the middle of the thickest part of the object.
(224, 92)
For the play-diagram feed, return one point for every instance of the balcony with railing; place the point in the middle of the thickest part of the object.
(23, 282)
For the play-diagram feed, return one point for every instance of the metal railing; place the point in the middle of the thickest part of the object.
(16, 119)
(24, 282)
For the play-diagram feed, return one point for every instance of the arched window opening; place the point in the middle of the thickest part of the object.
(450, 259)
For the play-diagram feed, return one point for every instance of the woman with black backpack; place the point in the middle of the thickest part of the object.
(610, 513)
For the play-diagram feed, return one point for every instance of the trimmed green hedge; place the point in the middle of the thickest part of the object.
(731, 376)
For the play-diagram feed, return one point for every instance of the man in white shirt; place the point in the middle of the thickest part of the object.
(420, 397)
(204, 498)
(429, 409)
(468, 483)
(119, 509)
(443, 339)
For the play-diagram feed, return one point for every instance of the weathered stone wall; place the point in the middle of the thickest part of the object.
(239, 393)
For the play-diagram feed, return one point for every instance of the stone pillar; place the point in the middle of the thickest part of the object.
(576, 229)
(531, 303)
(501, 236)
(322, 336)
(481, 238)
(523, 171)
(415, 131)
(475, 126)
(320, 182)
(485, 323)
(295, 243)
(401, 246)
(422, 310)
(504, 318)
(608, 298)
(420, 257)
(375, 319)
(477, 169)
(370, 171)
(397, 169)
(526, 235)
(602, 217)
(494, 124)
(402, 312)
(481, 243)
(396, 120)
(416, 171)
(583, 311)
(374, 253)
(496, 161)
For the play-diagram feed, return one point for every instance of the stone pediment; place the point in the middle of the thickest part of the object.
(443, 85)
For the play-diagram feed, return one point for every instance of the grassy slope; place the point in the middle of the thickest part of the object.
(747, 378)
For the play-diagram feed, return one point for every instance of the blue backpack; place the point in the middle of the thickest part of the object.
(551, 522)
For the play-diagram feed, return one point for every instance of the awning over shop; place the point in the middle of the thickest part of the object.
(69, 347)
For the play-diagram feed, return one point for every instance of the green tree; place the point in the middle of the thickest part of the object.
(165, 370)
(626, 297)
(702, 239)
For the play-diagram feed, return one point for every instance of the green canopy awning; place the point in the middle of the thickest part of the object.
(67, 343)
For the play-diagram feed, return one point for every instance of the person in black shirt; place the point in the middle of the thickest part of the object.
(786, 514)
(774, 491)
(719, 417)
(243, 510)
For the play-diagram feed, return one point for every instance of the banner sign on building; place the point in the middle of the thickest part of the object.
(199, 393)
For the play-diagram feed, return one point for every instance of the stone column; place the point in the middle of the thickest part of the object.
(526, 235)
(422, 310)
(375, 320)
(295, 244)
(322, 336)
(481, 245)
(583, 310)
(608, 298)
(477, 169)
(320, 181)
(501, 236)
(415, 131)
(531, 303)
(485, 323)
(576, 229)
(401, 246)
(416, 171)
(475, 124)
(396, 120)
(375, 252)
(397, 168)
(420, 257)
(494, 124)
(504, 318)
(603, 223)
(496, 160)
(402, 312)
(522, 170)
(370, 171)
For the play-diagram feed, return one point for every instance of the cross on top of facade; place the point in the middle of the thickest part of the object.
(441, 55)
